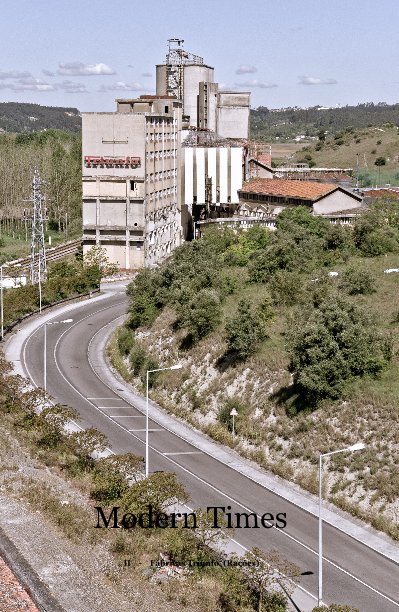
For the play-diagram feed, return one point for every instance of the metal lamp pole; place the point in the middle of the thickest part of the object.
(174, 367)
(45, 349)
(349, 449)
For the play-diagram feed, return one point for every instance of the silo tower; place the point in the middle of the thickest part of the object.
(181, 75)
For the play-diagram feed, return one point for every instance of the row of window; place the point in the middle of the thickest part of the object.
(160, 136)
(154, 155)
(161, 176)
(162, 193)
(159, 121)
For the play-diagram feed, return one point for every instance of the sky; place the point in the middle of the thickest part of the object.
(285, 52)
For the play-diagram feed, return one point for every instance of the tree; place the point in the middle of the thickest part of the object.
(356, 281)
(266, 575)
(114, 474)
(245, 331)
(86, 444)
(202, 314)
(160, 490)
(330, 343)
(380, 161)
(52, 422)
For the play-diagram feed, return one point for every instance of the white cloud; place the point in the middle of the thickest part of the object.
(256, 83)
(71, 87)
(14, 74)
(48, 72)
(146, 74)
(310, 80)
(28, 84)
(246, 69)
(121, 86)
(80, 69)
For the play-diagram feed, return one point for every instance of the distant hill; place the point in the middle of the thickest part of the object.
(23, 117)
(290, 123)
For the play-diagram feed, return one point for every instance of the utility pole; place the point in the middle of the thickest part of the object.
(38, 266)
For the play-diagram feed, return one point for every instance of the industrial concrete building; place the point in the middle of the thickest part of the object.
(131, 199)
(186, 77)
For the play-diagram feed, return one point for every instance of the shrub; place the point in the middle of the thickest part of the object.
(125, 341)
(356, 281)
(285, 288)
(202, 314)
(245, 331)
(160, 490)
(329, 344)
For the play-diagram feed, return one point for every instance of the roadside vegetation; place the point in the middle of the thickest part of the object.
(67, 278)
(309, 360)
(33, 433)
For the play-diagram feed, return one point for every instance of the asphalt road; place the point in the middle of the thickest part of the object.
(353, 573)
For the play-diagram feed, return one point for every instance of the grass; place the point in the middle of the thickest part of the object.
(16, 247)
(359, 150)
(287, 444)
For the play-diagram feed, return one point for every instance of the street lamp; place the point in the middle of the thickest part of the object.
(45, 348)
(349, 449)
(173, 367)
(233, 414)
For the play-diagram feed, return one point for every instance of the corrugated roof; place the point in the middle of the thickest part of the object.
(304, 190)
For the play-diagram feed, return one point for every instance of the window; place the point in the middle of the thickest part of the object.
(166, 109)
(132, 185)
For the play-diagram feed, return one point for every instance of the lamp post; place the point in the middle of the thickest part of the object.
(349, 449)
(45, 348)
(173, 367)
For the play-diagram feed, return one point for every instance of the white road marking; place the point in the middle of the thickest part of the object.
(184, 453)
(146, 430)
(155, 450)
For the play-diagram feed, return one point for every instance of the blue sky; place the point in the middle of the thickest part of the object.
(286, 52)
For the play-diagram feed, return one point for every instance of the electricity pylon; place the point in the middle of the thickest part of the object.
(38, 266)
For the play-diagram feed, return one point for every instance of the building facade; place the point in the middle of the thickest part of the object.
(131, 192)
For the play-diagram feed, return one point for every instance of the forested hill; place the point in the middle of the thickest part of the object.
(23, 117)
(288, 123)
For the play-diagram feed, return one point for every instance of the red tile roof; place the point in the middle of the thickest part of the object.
(304, 190)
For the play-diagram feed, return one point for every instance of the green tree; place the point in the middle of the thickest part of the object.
(331, 343)
(202, 314)
(357, 281)
(245, 331)
(160, 490)
(380, 161)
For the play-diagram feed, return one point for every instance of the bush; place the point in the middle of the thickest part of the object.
(356, 281)
(285, 288)
(329, 344)
(125, 341)
(160, 490)
(202, 314)
(245, 331)
(145, 298)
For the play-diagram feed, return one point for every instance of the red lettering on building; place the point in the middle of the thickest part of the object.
(94, 161)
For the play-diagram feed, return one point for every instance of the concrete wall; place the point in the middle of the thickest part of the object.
(232, 119)
(114, 135)
(335, 202)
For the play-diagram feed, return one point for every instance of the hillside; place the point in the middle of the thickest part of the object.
(309, 361)
(358, 149)
(289, 123)
(23, 117)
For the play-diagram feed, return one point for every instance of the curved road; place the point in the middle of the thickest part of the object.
(353, 573)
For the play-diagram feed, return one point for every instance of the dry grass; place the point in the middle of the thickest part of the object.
(290, 446)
